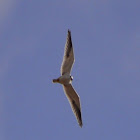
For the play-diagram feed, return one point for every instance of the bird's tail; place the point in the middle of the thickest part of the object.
(55, 80)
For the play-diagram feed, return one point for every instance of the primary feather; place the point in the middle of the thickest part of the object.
(74, 101)
(68, 58)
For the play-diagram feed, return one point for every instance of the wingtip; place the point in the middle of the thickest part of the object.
(81, 125)
(69, 31)
(80, 122)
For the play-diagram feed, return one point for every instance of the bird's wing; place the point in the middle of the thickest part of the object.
(68, 58)
(74, 101)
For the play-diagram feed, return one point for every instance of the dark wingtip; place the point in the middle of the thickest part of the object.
(69, 31)
(81, 124)
(78, 114)
(68, 43)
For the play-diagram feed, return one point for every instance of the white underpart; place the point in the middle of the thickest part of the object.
(65, 79)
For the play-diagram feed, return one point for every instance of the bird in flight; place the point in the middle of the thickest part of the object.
(66, 79)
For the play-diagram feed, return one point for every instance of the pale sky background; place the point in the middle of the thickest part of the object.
(106, 40)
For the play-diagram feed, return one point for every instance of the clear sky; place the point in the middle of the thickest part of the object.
(106, 40)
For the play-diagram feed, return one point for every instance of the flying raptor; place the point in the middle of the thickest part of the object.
(66, 79)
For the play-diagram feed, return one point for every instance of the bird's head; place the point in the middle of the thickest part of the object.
(71, 78)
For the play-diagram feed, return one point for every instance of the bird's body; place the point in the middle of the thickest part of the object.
(66, 79)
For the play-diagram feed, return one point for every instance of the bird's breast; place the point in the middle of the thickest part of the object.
(64, 79)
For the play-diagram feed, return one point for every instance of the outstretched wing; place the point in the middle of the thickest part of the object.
(74, 101)
(68, 58)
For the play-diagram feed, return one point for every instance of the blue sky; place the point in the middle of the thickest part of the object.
(106, 40)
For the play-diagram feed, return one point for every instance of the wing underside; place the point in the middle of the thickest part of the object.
(74, 101)
(68, 58)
